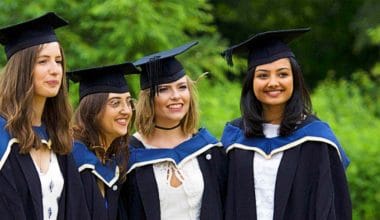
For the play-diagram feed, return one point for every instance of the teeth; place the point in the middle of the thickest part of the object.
(175, 106)
(123, 120)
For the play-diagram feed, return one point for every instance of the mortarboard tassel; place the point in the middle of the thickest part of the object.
(228, 57)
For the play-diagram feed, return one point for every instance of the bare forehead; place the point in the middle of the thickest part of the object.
(283, 63)
(119, 95)
(179, 81)
(47, 49)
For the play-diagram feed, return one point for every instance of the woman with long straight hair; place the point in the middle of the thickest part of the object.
(38, 177)
(284, 163)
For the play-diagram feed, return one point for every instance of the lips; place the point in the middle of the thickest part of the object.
(273, 93)
(175, 107)
(52, 83)
(122, 121)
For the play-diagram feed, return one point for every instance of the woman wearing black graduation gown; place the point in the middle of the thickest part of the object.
(175, 171)
(101, 124)
(38, 178)
(284, 163)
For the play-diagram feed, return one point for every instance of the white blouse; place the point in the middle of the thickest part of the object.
(184, 201)
(265, 173)
(51, 186)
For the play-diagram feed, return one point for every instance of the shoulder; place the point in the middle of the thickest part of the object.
(316, 130)
(232, 131)
(205, 135)
(82, 155)
(6, 141)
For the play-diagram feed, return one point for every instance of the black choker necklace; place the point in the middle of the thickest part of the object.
(163, 128)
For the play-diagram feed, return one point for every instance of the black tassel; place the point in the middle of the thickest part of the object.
(228, 57)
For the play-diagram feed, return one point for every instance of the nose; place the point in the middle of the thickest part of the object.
(55, 68)
(175, 94)
(273, 82)
(126, 108)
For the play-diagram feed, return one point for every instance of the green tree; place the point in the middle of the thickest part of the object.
(337, 44)
(113, 31)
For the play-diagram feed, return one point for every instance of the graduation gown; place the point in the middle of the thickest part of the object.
(91, 169)
(20, 187)
(310, 183)
(140, 193)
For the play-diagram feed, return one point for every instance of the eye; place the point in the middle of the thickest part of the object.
(183, 87)
(283, 74)
(261, 75)
(42, 61)
(114, 103)
(59, 61)
(162, 89)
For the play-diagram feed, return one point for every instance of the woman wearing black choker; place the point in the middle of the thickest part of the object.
(175, 171)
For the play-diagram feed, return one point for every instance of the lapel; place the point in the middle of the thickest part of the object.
(149, 193)
(244, 184)
(33, 181)
(62, 199)
(284, 182)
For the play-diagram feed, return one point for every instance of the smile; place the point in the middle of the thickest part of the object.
(175, 106)
(122, 121)
(274, 93)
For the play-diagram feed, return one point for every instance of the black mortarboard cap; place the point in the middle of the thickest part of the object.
(265, 47)
(161, 67)
(108, 79)
(30, 33)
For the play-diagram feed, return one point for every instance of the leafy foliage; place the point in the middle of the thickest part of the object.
(338, 41)
(344, 44)
(344, 106)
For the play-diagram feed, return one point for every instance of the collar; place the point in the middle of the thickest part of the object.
(199, 143)
(6, 141)
(86, 159)
(315, 130)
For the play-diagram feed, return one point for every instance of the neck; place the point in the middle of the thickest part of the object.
(273, 115)
(166, 138)
(168, 128)
(106, 143)
(38, 109)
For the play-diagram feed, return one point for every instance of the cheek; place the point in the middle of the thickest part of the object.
(256, 88)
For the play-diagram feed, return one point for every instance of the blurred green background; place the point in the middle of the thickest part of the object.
(339, 58)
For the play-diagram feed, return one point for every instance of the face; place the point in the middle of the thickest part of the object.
(273, 83)
(48, 71)
(116, 115)
(172, 102)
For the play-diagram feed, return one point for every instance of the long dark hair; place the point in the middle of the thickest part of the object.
(87, 130)
(16, 97)
(297, 108)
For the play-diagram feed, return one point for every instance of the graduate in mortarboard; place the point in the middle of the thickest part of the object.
(284, 163)
(102, 123)
(38, 177)
(175, 170)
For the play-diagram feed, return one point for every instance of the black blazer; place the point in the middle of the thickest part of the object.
(140, 197)
(20, 189)
(311, 184)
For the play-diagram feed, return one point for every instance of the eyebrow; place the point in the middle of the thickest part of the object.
(47, 56)
(265, 70)
(118, 97)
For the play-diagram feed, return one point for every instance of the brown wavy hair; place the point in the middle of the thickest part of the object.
(145, 115)
(16, 97)
(87, 130)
